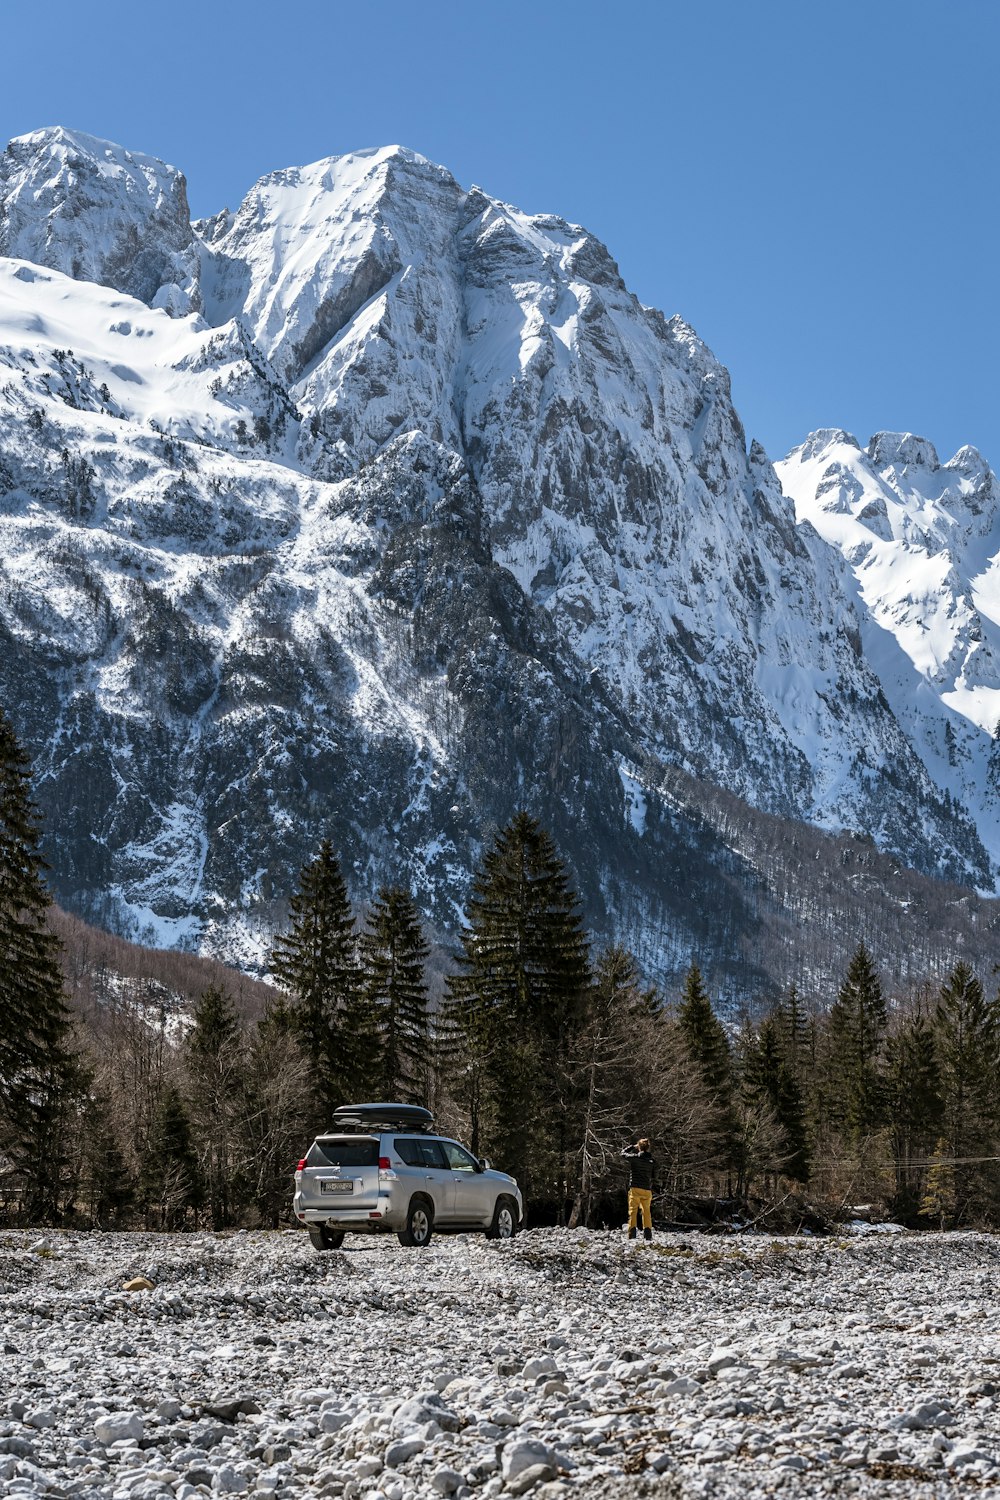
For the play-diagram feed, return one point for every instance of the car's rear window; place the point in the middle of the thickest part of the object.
(343, 1151)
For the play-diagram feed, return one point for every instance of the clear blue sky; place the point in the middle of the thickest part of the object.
(812, 185)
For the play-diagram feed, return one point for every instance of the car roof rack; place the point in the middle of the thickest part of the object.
(382, 1117)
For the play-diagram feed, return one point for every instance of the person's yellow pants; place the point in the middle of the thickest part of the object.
(640, 1200)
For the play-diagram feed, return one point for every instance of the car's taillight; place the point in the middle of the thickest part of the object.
(384, 1163)
(299, 1165)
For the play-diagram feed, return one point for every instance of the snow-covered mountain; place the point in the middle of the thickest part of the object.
(922, 539)
(380, 508)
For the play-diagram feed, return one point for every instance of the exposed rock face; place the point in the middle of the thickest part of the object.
(98, 213)
(922, 538)
(424, 518)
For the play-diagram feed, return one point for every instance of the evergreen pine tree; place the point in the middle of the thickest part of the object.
(108, 1186)
(940, 1199)
(39, 1077)
(769, 1076)
(967, 1035)
(214, 1060)
(793, 1023)
(316, 963)
(855, 1033)
(393, 952)
(913, 1096)
(708, 1048)
(170, 1180)
(516, 1003)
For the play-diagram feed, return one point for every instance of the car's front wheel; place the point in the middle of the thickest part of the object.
(503, 1225)
(419, 1225)
(325, 1238)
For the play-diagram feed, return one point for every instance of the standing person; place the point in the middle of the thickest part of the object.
(640, 1187)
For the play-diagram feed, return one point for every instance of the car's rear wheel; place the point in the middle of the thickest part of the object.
(504, 1223)
(419, 1225)
(325, 1238)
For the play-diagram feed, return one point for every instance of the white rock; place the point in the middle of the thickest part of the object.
(961, 1455)
(422, 1410)
(522, 1453)
(118, 1426)
(721, 1359)
(333, 1421)
(446, 1481)
(683, 1386)
(227, 1481)
(403, 1449)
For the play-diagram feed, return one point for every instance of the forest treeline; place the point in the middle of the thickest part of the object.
(543, 1053)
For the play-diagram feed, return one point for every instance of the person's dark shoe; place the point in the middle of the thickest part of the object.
(647, 1234)
(631, 1234)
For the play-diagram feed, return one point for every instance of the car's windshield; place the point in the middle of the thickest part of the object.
(343, 1151)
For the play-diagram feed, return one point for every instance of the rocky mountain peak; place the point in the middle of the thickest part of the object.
(310, 246)
(98, 212)
(822, 440)
(897, 450)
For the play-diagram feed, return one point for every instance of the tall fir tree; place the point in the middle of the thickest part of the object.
(914, 1105)
(856, 1027)
(708, 1048)
(316, 963)
(516, 1003)
(393, 953)
(108, 1186)
(795, 1031)
(40, 1078)
(769, 1076)
(967, 1036)
(170, 1181)
(214, 1064)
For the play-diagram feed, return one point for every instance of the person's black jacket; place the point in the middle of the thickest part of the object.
(640, 1168)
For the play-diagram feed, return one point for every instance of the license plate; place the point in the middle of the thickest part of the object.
(337, 1187)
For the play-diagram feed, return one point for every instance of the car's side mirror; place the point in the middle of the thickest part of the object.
(484, 1164)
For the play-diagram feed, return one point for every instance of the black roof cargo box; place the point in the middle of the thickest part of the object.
(382, 1117)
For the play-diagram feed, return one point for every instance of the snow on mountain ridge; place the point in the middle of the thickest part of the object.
(923, 540)
(97, 212)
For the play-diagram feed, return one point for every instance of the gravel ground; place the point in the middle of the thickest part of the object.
(561, 1363)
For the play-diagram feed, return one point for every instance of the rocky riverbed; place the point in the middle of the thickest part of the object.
(560, 1363)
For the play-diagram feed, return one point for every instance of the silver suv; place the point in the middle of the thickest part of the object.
(381, 1169)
